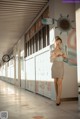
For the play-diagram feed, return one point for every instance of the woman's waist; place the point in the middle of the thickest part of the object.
(58, 59)
(58, 63)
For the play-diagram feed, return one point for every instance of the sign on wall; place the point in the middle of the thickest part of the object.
(47, 21)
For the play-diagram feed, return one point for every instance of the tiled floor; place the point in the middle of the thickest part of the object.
(22, 104)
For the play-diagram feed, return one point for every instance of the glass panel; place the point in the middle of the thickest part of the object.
(36, 38)
(12, 68)
(17, 66)
(39, 40)
(44, 36)
(47, 35)
(22, 65)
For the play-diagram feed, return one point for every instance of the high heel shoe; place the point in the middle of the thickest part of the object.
(58, 103)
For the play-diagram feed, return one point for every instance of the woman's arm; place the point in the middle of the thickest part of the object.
(53, 56)
(64, 56)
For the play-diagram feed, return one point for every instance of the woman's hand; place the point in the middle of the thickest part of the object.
(64, 56)
(59, 54)
(53, 55)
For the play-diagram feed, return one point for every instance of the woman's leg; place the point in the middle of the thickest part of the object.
(56, 87)
(59, 89)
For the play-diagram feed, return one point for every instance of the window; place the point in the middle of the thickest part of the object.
(37, 36)
(3, 70)
(16, 66)
(22, 65)
(8, 70)
(38, 41)
(47, 35)
(11, 69)
(28, 47)
(44, 36)
(33, 44)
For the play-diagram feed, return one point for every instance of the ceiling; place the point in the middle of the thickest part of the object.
(15, 17)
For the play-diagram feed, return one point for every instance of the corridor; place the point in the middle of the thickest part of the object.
(28, 52)
(22, 104)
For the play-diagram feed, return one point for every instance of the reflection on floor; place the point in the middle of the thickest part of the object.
(22, 104)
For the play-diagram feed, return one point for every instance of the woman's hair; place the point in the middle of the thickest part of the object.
(58, 38)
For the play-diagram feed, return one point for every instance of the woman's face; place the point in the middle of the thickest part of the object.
(58, 43)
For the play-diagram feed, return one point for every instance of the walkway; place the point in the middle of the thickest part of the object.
(22, 104)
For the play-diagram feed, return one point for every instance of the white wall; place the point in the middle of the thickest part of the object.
(70, 76)
(77, 12)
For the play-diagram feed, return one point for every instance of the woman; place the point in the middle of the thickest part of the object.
(58, 68)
